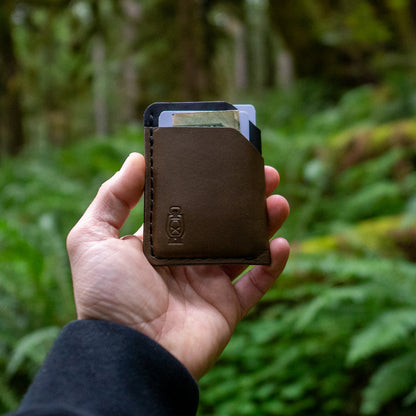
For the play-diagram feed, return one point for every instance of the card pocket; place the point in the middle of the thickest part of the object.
(205, 199)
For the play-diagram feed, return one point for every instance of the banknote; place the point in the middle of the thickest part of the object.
(226, 118)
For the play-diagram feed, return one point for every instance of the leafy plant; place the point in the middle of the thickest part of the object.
(335, 336)
(43, 193)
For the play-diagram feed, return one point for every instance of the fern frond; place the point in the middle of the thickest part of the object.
(330, 299)
(394, 378)
(33, 346)
(410, 398)
(386, 331)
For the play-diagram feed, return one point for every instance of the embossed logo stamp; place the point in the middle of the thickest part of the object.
(175, 226)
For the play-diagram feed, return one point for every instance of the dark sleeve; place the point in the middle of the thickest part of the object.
(102, 368)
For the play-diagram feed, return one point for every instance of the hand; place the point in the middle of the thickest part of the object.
(192, 311)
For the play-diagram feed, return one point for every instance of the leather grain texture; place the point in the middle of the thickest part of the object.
(205, 199)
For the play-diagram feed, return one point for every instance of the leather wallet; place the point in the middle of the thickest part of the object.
(205, 200)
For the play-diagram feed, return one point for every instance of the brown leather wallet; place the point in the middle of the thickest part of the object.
(205, 200)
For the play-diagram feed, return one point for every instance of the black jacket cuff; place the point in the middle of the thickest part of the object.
(103, 368)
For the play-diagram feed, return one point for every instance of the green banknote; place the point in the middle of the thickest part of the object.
(227, 118)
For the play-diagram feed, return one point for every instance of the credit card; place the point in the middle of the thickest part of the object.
(247, 114)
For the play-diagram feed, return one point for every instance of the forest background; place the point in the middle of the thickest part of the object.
(334, 85)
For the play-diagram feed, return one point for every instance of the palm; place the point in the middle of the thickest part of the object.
(180, 307)
(190, 310)
(203, 300)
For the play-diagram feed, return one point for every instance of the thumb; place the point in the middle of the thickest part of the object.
(114, 200)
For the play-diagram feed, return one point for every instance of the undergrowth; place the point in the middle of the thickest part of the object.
(335, 336)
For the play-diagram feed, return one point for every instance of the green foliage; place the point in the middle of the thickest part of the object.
(44, 192)
(35, 292)
(32, 347)
(335, 336)
(290, 356)
(392, 379)
(387, 331)
(340, 162)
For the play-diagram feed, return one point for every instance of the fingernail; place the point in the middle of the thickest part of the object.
(126, 161)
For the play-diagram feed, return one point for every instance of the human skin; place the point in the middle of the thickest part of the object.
(191, 311)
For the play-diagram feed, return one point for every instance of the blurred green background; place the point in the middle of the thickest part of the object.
(334, 84)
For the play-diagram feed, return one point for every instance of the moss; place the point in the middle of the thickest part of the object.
(383, 236)
(316, 245)
(359, 144)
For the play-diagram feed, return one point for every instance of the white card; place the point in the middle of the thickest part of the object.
(247, 113)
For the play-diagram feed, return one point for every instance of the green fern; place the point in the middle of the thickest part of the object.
(8, 398)
(394, 378)
(336, 320)
(330, 300)
(32, 347)
(388, 330)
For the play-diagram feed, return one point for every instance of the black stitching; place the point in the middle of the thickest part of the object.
(151, 184)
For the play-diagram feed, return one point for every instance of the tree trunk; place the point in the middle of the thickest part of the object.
(402, 16)
(132, 15)
(296, 22)
(191, 47)
(100, 87)
(285, 72)
(240, 57)
(98, 58)
(11, 114)
(237, 30)
(188, 49)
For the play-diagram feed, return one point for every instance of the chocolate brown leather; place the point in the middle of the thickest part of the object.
(205, 199)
